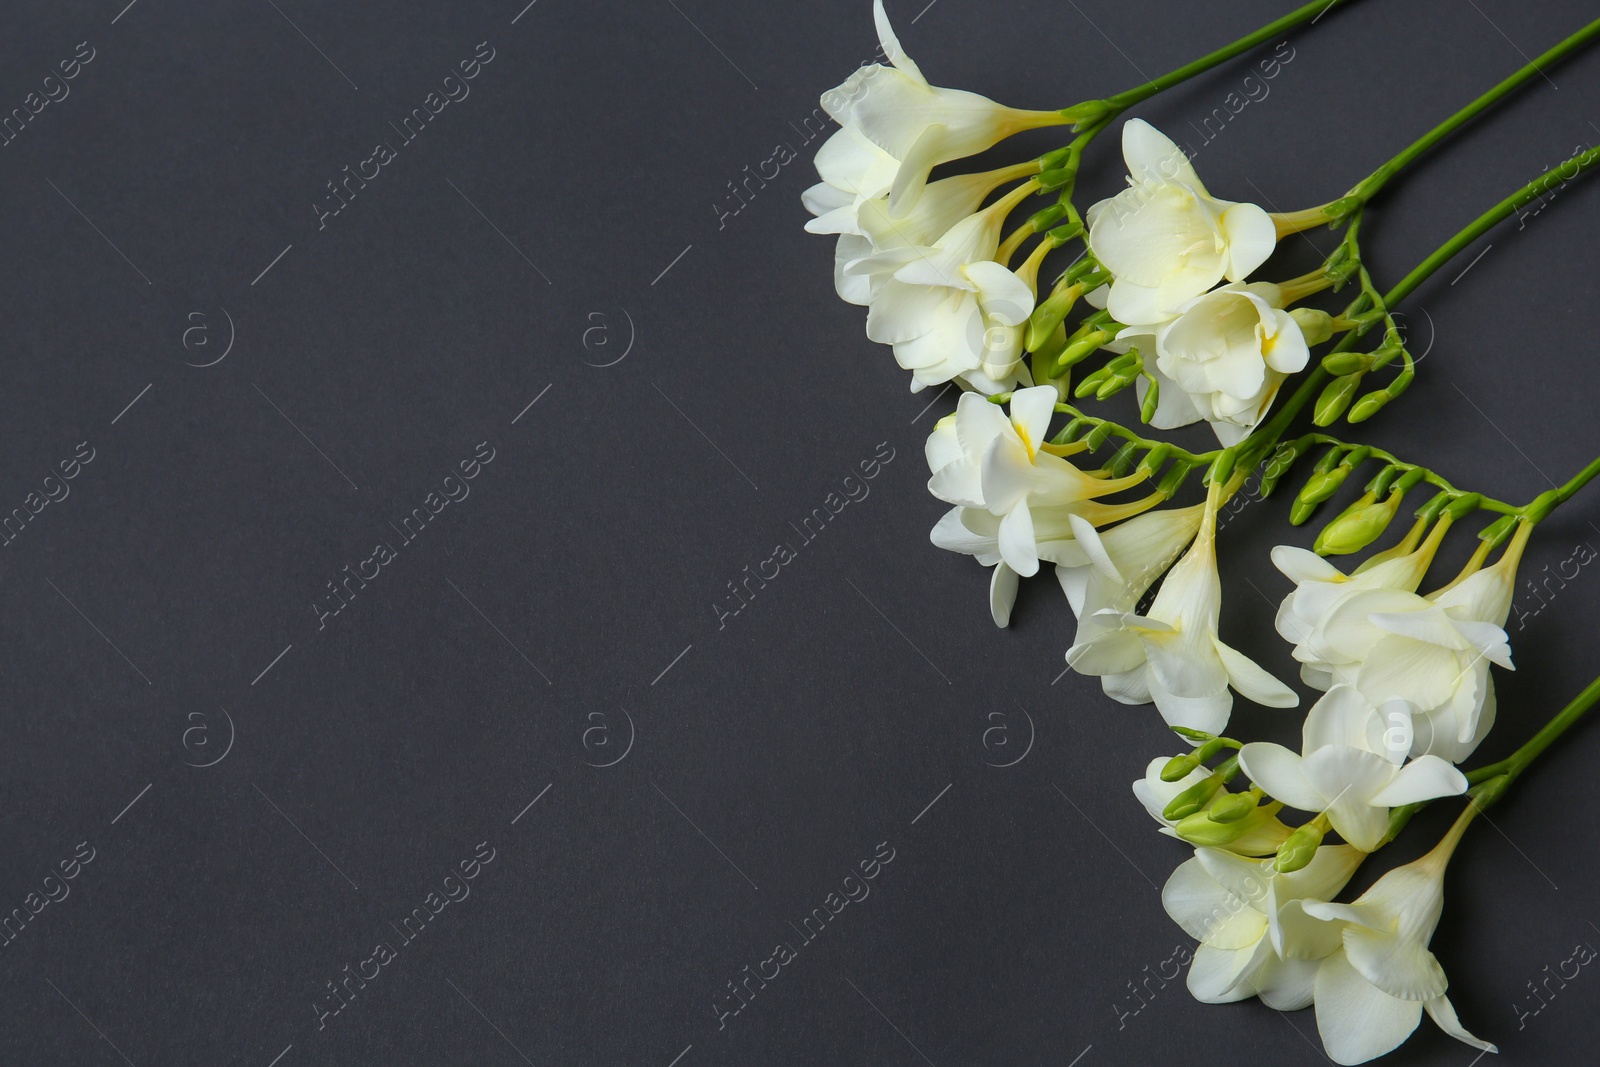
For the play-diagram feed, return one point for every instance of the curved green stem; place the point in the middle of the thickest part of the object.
(1307, 13)
(1369, 187)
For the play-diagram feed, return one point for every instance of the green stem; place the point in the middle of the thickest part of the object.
(1369, 186)
(1307, 13)
(1514, 764)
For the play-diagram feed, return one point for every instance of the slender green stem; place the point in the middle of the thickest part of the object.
(1369, 187)
(1514, 764)
(1308, 13)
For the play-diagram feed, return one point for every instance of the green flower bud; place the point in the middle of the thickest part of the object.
(1317, 326)
(1193, 799)
(1154, 459)
(1298, 848)
(1082, 347)
(1358, 526)
(1342, 363)
(1201, 829)
(1049, 314)
(1335, 398)
(1098, 436)
(1178, 766)
(1152, 399)
(1369, 405)
(1322, 485)
(1233, 807)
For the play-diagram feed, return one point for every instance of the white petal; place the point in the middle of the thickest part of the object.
(909, 180)
(1152, 156)
(1214, 974)
(1252, 682)
(1017, 545)
(1282, 774)
(1424, 778)
(1357, 1020)
(1441, 1011)
(1031, 412)
(1004, 297)
(891, 43)
(1251, 238)
(1002, 594)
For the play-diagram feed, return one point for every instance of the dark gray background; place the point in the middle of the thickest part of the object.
(472, 677)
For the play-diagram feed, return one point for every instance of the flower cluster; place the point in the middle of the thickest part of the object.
(1166, 276)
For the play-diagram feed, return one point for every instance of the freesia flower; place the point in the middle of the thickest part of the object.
(1165, 239)
(1261, 837)
(1224, 358)
(916, 124)
(1342, 771)
(948, 309)
(1016, 501)
(1257, 936)
(1185, 669)
(1371, 994)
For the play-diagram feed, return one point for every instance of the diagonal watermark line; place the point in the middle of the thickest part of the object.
(302, 833)
(99, 631)
(90, 1021)
(1079, 1056)
(1469, 266)
(302, 433)
(1062, 675)
(931, 803)
(899, 631)
(131, 803)
(271, 665)
(532, 402)
(531, 803)
(101, 232)
(713, 44)
(1513, 44)
(886, 1019)
(524, 11)
(490, 1021)
(1521, 853)
(702, 833)
(269, 266)
(313, 44)
(663, 274)
(1102, 833)
(499, 231)
(679, 1056)
(124, 11)
(501, 632)
(132, 402)
(932, 402)
(671, 665)
(702, 433)
(924, 11)
(1502, 433)
(280, 1056)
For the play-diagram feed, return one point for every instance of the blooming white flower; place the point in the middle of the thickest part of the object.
(948, 309)
(1224, 358)
(1185, 668)
(915, 124)
(1165, 239)
(1371, 994)
(1346, 769)
(1256, 935)
(1261, 838)
(1433, 652)
(1016, 502)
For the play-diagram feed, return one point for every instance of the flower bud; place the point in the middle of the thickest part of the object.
(1335, 398)
(1298, 849)
(1193, 799)
(1233, 807)
(1049, 314)
(1178, 766)
(1322, 485)
(1317, 326)
(1369, 405)
(1201, 830)
(1341, 363)
(1358, 526)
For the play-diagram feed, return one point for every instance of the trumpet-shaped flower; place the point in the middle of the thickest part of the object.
(1340, 771)
(1224, 358)
(948, 309)
(1256, 935)
(1016, 502)
(1185, 668)
(915, 124)
(1371, 994)
(1261, 837)
(1165, 239)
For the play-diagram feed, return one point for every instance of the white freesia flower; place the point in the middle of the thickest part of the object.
(1371, 994)
(1016, 502)
(1224, 358)
(1320, 586)
(1165, 239)
(915, 124)
(1185, 668)
(1262, 838)
(1256, 935)
(1346, 770)
(1433, 653)
(948, 309)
